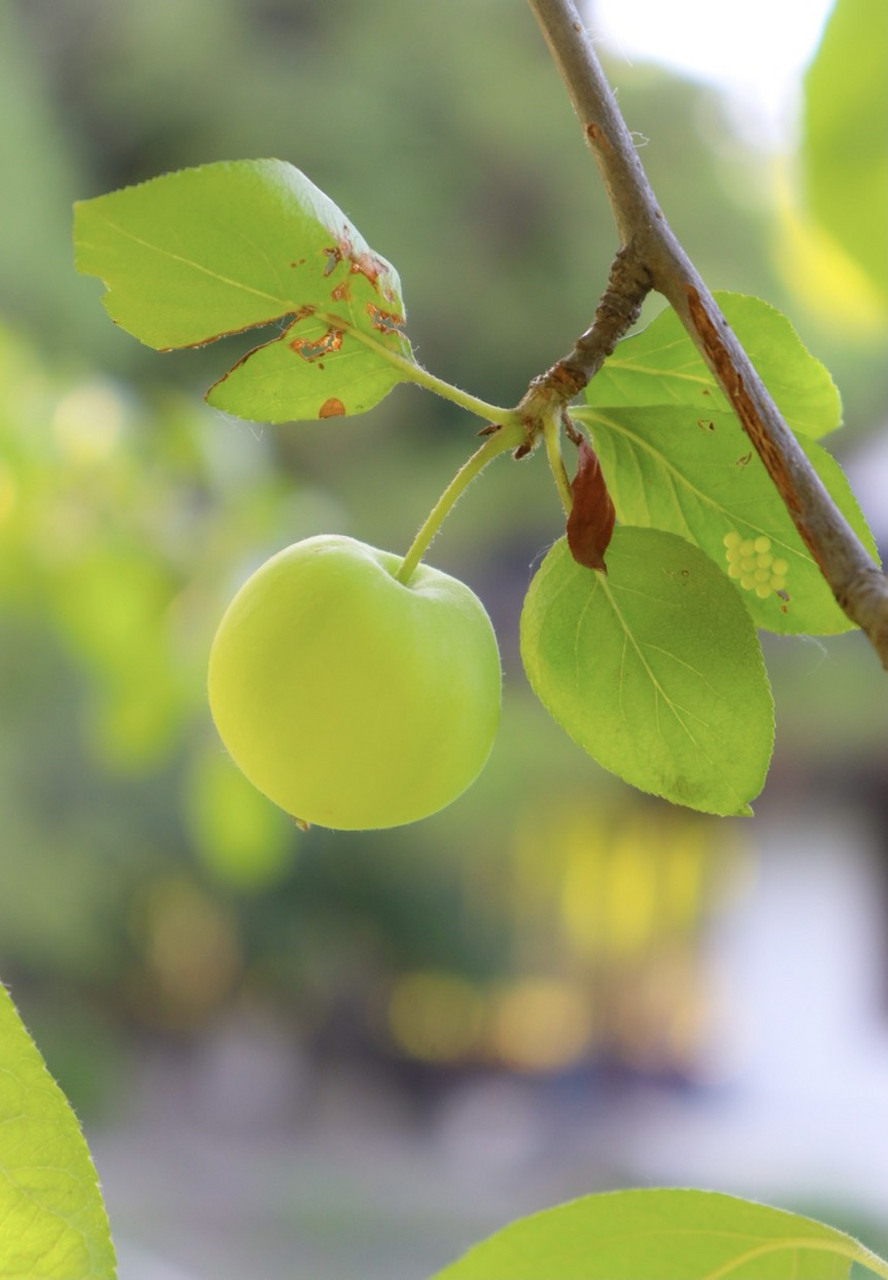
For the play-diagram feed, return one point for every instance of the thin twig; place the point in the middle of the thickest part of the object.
(616, 313)
(650, 248)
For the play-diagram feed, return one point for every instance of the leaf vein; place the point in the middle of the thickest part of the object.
(287, 303)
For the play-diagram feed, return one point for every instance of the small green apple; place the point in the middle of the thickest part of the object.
(349, 698)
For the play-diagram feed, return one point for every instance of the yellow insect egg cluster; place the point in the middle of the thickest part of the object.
(753, 564)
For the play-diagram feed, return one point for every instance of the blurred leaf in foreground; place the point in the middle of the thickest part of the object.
(52, 1220)
(845, 146)
(664, 1235)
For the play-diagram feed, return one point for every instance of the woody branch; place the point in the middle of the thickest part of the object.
(651, 256)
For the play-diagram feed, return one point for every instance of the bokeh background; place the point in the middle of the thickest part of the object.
(337, 1056)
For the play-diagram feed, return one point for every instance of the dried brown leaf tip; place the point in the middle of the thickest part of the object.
(591, 520)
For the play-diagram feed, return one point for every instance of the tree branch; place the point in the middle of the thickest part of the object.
(650, 251)
(616, 313)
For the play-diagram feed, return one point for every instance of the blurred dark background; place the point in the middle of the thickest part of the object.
(351, 1055)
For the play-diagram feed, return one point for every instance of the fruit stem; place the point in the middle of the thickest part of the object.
(552, 436)
(508, 437)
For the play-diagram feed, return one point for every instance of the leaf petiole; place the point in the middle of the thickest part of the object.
(552, 437)
(489, 412)
(412, 372)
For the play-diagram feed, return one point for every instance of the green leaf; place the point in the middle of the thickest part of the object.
(192, 256)
(664, 1235)
(654, 668)
(279, 383)
(52, 1220)
(660, 365)
(697, 475)
(845, 142)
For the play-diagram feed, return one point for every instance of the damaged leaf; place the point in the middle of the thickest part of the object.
(196, 255)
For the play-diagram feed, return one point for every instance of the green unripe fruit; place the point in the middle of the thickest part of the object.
(351, 699)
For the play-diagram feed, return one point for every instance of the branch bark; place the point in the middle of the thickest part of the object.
(650, 252)
(617, 311)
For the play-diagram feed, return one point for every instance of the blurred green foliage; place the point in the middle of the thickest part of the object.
(845, 151)
(140, 879)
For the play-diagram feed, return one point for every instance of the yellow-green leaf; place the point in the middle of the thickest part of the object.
(661, 366)
(654, 668)
(697, 475)
(52, 1220)
(664, 1235)
(845, 145)
(194, 255)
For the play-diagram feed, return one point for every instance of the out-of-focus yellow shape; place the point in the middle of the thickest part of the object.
(191, 946)
(582, 908)
(8, 493)
(660, 1019)
(682, 879)
(434, 1016)
(826, 280)
(630, 890)
(541, 1024)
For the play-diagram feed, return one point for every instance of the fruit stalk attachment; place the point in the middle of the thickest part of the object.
(510, 436)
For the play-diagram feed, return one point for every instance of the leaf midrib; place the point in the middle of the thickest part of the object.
(285, 305)
(288, 304)
(632, 367)
(673, 706)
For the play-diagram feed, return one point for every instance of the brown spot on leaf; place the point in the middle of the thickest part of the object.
(342, 292)
(744, 459)
(334, 257)
(591, 520)
(312, 350)
(331, 408)
(365, 264)
(384, 321)
(705, 424)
